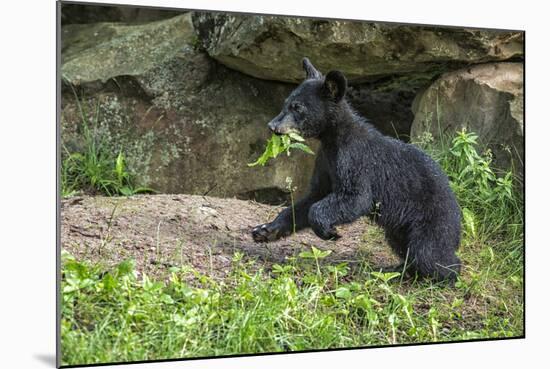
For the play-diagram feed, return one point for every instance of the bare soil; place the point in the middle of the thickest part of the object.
(161, 231)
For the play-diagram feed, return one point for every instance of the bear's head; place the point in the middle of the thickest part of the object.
(312, 106)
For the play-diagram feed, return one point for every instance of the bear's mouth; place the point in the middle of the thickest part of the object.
(281, 132)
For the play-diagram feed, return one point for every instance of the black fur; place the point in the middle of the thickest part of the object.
(358, 172)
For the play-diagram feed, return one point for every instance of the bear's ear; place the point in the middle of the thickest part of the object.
(335, 86)
(311, 72)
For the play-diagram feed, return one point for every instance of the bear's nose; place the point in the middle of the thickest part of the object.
(273, 125)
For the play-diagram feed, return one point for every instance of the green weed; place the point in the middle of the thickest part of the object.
(278, 144)
(492, 202)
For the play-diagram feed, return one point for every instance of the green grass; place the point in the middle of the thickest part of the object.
(110, 314)
(94, 169)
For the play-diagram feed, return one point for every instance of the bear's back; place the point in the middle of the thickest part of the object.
(403, 172)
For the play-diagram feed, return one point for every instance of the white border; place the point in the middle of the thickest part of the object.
(27, 184)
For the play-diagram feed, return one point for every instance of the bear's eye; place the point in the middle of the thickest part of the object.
(297, 107)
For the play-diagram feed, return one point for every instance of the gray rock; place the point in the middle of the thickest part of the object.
(186, 123)
(100, 51)
(485, 99)
(267, 47)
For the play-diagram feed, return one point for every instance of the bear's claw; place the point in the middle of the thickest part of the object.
(326, 234)
(264, 233)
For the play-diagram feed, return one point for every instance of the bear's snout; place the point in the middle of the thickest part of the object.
(282, 124)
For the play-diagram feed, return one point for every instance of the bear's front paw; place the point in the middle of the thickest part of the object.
(265, 233)
(326, 233)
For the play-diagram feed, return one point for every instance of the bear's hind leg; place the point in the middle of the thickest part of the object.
(399, 246)
(437, 261)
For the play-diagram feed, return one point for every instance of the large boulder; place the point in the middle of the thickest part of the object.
(101, 51)
(185, 123)
(486, 99)
(267, 47)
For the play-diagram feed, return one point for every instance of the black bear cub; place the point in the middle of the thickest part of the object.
(358, 171)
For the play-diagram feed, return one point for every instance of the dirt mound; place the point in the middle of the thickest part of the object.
(160, 231)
